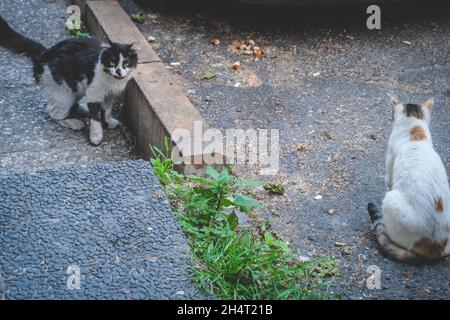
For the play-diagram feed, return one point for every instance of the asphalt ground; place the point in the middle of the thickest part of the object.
(323, 82)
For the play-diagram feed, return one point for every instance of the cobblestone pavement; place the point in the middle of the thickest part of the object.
(109, 220)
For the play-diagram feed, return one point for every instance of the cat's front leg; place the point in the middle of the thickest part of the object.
(109, 119)
(95, 123)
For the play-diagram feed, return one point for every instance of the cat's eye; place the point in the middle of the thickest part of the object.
(125, 64)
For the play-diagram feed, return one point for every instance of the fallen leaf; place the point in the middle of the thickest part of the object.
(241, 46)
(375, 137)
(236, 65)
(257, 52)
(208, 75)
(215, 41)
(304, 147)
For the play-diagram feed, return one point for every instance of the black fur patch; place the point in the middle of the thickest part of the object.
(73, 60)
(374, 213)
(414, 110)
(15, 42)
(95, 112)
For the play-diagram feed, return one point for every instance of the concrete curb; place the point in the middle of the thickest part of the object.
(155, 107)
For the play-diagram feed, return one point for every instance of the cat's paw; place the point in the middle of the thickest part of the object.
(112, 123)
(74, 124)
(95, 139)
(95, 133)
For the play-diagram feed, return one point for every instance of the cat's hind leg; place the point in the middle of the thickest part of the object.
(394, 230)
(384, 242)
(404, 225)
(60, 109)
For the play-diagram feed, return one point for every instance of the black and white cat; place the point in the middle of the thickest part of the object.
(77, 75)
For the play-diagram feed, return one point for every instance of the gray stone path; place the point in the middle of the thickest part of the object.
(30, 140)
(66, 205)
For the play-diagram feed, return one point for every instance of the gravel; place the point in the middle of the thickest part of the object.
(111, 220)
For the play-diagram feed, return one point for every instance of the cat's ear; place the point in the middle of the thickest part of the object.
(394, 100)
(428, 104)
(134, 45)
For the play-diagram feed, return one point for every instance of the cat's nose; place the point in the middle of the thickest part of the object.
(119, 73)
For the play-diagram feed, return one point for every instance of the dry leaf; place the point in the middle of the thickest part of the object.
(375, 137)
(215, 41)
(257, 52)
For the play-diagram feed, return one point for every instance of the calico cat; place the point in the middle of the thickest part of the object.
(414, 226)
(81, 75)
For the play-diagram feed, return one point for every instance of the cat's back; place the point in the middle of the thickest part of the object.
(420, 175)
(70, 62)
(83, 47)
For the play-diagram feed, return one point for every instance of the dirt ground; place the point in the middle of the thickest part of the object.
(322, 81)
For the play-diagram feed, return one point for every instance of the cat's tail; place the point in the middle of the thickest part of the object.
(387, 246)
(15, 42)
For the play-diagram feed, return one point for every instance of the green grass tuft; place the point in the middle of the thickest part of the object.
(233, 261)
(274, 188)
(139, 17)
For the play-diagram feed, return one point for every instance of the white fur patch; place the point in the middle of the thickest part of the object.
(95, 132)
(104, 85)
(60, 97)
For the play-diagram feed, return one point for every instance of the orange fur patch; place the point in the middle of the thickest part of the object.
(430, 249)
(417, 134)
(439, 204)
